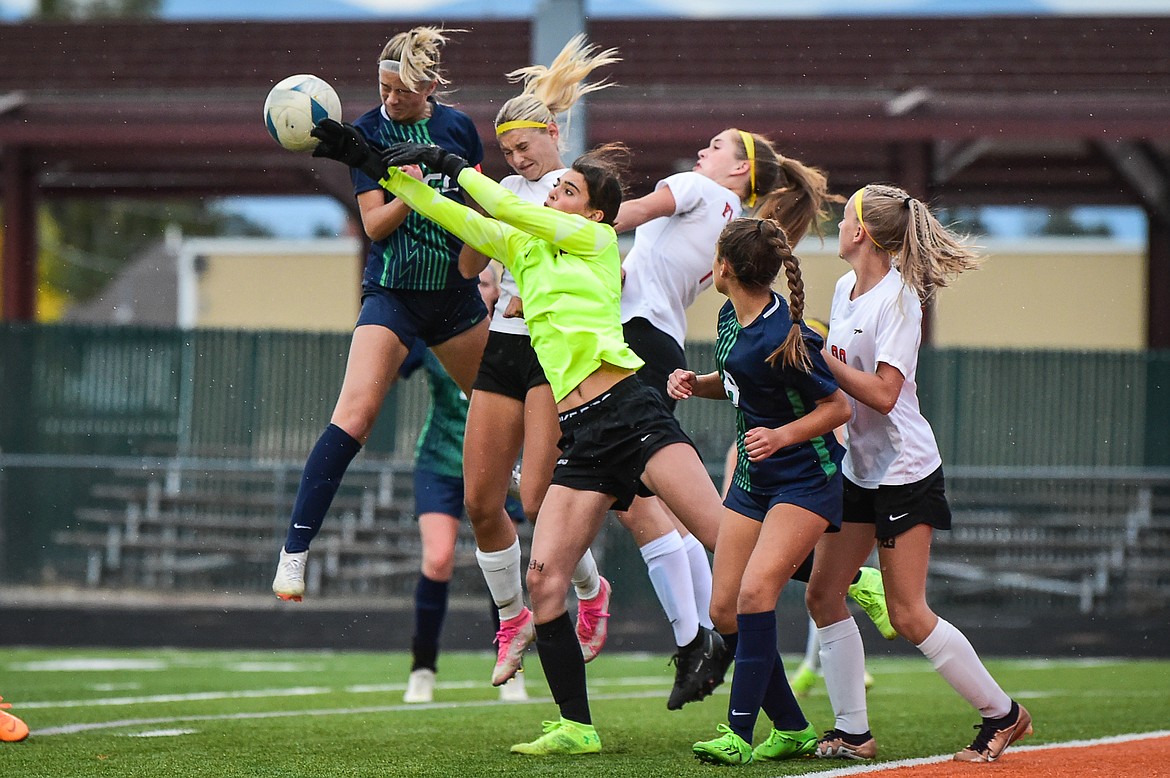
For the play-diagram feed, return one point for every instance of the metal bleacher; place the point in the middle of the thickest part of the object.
(1090, 537)
(136, 459)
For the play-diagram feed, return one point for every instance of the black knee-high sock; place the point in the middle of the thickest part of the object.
(564, 667)
(326, 466)
(754, 658)
(430, 608)
(779, 703)
(730, 641)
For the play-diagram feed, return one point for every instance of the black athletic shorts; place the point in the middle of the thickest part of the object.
(606, 443)
(894, 509)
(509, 366)
(659, 351)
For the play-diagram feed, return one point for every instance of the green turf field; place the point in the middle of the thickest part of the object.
(181, 714)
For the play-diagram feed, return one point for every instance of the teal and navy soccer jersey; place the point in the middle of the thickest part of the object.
(420, 254)
(767, 396)
(440, 443)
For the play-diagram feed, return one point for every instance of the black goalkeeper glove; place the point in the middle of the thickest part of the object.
(436, 159)
(344, 143)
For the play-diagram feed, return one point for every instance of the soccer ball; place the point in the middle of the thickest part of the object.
(293, 108)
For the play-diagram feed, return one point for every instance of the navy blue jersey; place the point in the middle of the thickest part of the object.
(767, 396)
(419, 254)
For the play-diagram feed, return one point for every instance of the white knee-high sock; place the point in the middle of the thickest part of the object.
(586, 579)
(670, 574)
(700, 578)
(843, 660)
(955, 660)
(501, 570)
(812, 647)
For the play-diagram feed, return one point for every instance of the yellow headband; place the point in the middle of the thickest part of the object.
(749, 147)
(518, 124)
(857, 203)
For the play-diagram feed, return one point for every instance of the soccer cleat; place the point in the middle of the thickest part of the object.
(727, 749)
(513, 690)
(870, 593)
(289, 583)
(562, 737)
(804, 680)
(783, 744)
(12, 729)
(514, 636)
(835, 744)
(697, 669)
(593, 622)
(420, 687)
(995, 735)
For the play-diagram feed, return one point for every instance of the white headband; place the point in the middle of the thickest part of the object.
(395, 67)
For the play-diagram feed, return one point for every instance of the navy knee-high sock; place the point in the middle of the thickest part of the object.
(564, 667)
(755, 656)
(779, 703)
(324, 469)
(430, 608)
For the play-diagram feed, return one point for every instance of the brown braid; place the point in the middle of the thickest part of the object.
(756, 249)
(793, 352)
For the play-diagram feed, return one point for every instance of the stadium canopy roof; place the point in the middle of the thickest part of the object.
(965, 111)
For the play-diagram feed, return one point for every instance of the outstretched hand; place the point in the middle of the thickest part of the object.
(436, 158)
(344, 143)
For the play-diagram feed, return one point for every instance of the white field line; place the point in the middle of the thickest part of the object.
(192, 697)
(69, 729)
(881, 767)
(305, 691)
(162, 733)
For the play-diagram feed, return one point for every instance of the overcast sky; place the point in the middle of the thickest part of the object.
(14, 10)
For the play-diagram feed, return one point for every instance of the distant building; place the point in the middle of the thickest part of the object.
(1044, 293)
(234, 283)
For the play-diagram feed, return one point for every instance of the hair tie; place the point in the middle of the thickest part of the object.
(906, 202)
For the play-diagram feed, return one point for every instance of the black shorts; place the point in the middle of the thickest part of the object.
(509, 366)
(659, 351)
(894, 509)
(607, 442)
(435, 317)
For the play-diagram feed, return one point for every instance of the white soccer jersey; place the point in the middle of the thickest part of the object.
(672, 256)
(883, 325)
(533, 192)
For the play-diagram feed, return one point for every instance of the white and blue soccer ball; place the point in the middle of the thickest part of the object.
(293, 108)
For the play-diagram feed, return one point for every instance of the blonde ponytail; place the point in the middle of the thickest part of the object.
(415, 56)
(555, 89)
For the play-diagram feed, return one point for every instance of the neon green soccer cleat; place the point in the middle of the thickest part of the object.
(803, 682)
(727, 749)
(870, 593)
(562, 737)
(787, 745)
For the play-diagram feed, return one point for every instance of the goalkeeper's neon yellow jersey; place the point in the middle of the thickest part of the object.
(567, 267)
